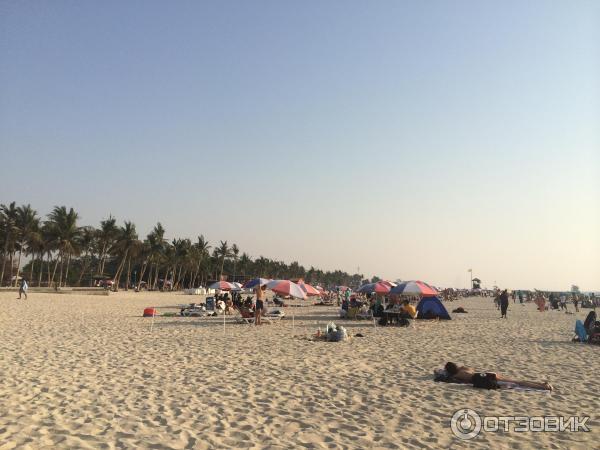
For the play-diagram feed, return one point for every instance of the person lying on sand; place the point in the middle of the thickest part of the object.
(465, 374)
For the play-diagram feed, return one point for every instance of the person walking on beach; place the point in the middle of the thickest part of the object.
(504, 303)
(23, 288)
(260, 304)
(576, 302)
(563, 302)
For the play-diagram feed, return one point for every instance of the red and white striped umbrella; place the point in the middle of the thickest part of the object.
(379, 288)
(286, 287)
(222, 286)
(415, 287)
(309, 290)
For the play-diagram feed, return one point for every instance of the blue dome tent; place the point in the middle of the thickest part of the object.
(432, 308)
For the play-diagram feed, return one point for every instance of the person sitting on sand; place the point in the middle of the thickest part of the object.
(407, 310)
(465, 374)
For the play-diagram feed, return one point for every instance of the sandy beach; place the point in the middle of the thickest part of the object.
(90, 372)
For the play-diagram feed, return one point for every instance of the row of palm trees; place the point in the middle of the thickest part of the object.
(60, 252)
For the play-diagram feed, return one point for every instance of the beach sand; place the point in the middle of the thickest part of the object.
(89, 372)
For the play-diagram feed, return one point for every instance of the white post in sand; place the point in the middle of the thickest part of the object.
(152, 321)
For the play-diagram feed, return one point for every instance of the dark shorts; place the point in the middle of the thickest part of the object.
(259, 305)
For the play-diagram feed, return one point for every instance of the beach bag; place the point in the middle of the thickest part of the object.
(485, 381)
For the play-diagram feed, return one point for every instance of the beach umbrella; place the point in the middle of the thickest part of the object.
(415, 287)
(308, 289)
(286, 287)
(251, 284)
(379, 288)
(222, 286)
(236, 286)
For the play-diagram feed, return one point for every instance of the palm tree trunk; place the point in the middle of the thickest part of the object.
(222, 265)
(102, 260)
(54, 271)
(18, 269)
(182, 279)
(11, 267)
(49, 266)
(119, 272)
(155, 283)
(62, 265)
(31, 269)
(3, 265)
(128, 274)
(179, 276)
(83, 268)
(67, 272)
(142, 273)
(41, 269)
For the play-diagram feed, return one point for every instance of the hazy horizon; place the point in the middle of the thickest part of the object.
(412, 140)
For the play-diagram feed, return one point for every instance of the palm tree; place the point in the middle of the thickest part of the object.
(10, 232)
(87, 243)
(200, 252)
(27, 224)
(235, 252)
(223, 252)
(245, 261)
(107, 236)
(182, 258)
(158, 244)
(126, 241)
(64, 234)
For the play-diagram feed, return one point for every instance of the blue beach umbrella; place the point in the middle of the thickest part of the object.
(251, 284)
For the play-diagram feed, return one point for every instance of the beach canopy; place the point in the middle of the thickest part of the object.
(380, 287)
(286, 287)
(415, 288)
(223, 286)
(309, 290)
(251, 284)
(432, 308)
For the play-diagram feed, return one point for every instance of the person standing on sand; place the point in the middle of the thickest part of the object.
(260, 304)
(576, 302)
(504, 303)
(23, 288)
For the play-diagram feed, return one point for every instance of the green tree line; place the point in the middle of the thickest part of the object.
(60, 252)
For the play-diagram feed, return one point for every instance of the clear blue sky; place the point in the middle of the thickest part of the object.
(412, 139)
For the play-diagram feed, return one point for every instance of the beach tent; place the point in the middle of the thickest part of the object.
(432, 307)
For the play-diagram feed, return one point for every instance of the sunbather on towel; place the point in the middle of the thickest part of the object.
(465, 375)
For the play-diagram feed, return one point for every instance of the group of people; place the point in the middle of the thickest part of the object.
(555, 301)
(378, 307)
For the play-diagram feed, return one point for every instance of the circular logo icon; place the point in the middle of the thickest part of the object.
(465, 424)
